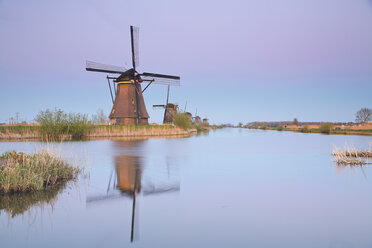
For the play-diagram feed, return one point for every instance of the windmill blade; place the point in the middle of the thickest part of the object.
(134, 34)
(99, 67)
(152, 189)
(156, 75)
(158, 106)
(163, 81)
(98, 198)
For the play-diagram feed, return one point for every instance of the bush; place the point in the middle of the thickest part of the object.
(263, 127)
(280, 128)
(57, 124)
(305, 129)
(182, 120)
(198, 127)
(326, 127)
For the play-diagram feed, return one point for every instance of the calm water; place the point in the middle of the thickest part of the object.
(230, 188)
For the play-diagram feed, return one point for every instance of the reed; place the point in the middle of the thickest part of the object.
(19, 132)
(351, 156)
(135, 131)
(20, 172)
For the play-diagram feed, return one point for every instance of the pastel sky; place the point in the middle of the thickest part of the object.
(239, 61)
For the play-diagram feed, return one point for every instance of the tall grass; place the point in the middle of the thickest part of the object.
(21, 172)
(326, 127)
(56, 124)
(182, 120)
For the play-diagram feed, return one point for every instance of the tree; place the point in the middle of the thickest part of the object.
(363, 115)
(295, 122)
(99, 117)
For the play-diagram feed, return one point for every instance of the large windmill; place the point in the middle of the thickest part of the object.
(128, 103)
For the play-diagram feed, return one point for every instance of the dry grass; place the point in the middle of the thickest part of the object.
(21, 172)
(352, 156)
(100, 131)
(136, 131)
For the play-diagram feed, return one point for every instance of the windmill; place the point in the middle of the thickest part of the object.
(170, 110)
(196, 119)
(128, 104)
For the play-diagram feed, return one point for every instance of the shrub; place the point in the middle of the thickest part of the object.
(305, 129)
(280, 128)
(263, 127)
(198, 127)
(326, 127)
(182, 120)
(57, 124)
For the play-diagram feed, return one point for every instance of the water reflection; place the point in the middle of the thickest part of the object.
(126, 177)
(342, 168)
(17, 204)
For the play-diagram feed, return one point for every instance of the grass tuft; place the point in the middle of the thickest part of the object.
(20, 172)
(351, 156)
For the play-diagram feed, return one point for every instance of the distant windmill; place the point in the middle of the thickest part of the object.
(170, 110)
(196, 119)
(128, 103)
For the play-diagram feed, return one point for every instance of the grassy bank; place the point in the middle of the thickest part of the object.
(135, 131)
(325, 130)
(20, 132)
(21, 172)
(91, 132)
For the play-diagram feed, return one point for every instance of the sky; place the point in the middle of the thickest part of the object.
(239, 61)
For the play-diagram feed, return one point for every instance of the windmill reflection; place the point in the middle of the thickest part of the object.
(129, 173)
(126, 180)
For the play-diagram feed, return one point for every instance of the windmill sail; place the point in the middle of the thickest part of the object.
(161, 78)
(99, 67)
(134, 31)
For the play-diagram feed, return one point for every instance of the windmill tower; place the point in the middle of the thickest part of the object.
(170, 110)
(128, 103)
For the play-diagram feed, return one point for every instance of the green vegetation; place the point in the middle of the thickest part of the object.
(198, 127)
(182, 120)
(326, 127)
(263, 127)
(279, 128)
(21, 172)
(58, 124)
(305, 129)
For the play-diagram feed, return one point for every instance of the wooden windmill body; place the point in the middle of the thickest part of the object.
(128, 102)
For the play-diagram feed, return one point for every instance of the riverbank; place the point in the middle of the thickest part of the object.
(305, 129)
(35, 132)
